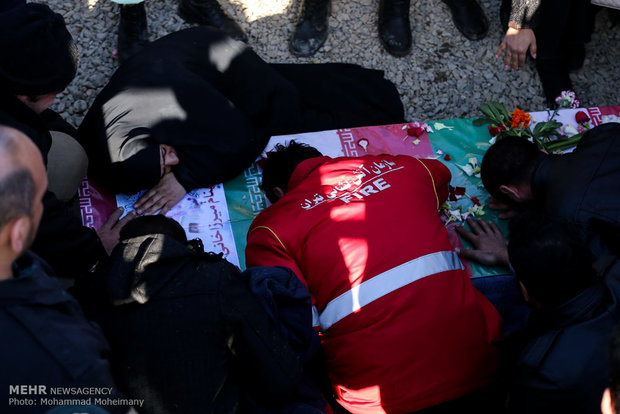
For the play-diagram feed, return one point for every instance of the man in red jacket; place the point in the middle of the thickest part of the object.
(401, 324)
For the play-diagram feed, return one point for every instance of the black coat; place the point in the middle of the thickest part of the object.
(559, 363)
(186, 333)
(46, 340)
(217, 103)
(583, 187)
(69, 247)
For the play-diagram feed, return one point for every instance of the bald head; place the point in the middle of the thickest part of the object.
(22, 176)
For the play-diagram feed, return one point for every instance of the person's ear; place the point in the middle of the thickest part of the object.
(607, 404)
(19, 232)
(512, 192)
(170, 157)
(279, 192)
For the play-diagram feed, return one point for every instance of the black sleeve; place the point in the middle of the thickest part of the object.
(269, 364)
(69, 247)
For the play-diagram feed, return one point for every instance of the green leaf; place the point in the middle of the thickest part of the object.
(486, 110)
(504, 112)
(482, 121)
(547, 129)
(494, 111)
(539, 126)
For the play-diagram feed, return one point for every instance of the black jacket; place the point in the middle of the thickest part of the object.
(69, 247)
(583, 187)
(217, 103)
(559, 362)
(186, 333)
(46, 340)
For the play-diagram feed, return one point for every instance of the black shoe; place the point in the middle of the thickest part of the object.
(554, 77)
(311, 29)
(468, 18)
(210, 13)
(394, 26)
(132, 31)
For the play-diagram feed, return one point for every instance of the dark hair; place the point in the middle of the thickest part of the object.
(280, 164)
(511, 160)
(41, 55)
(17, 191)
(158, 224)
(614, 367)
(550, 258)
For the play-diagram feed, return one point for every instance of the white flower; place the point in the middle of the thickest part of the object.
(567, 99)
(570, 130)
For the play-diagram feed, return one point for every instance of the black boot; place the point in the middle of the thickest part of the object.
(311, 29)
(468, 18)
(554, 77)
(210, 13)
(132, 32)
(394, 26)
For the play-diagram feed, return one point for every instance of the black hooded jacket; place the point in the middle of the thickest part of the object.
(186, 333)
(559, 362)
(46, 341)
(583, 187)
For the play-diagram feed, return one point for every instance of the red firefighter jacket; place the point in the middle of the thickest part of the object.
(402, 326)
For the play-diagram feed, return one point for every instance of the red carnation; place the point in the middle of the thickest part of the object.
(581, 117)
(475, 201)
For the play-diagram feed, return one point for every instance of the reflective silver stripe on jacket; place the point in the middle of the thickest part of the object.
(384, 283)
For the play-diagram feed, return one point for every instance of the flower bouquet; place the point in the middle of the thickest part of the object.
(548, 135)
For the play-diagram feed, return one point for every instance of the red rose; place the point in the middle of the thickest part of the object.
(459, 191)
(475, 201)
(447, 157)
(496, 130)
(415, 131)
(581, 117)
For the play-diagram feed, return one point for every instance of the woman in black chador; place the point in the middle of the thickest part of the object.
(195, 108)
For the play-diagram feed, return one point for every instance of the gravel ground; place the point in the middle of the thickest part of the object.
(446, 76)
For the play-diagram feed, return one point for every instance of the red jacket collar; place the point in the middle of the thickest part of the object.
(304, 169)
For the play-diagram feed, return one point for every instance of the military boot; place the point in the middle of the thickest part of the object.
(210, 13)
(132, 30)
(311, 29)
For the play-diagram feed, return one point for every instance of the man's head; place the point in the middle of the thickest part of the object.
(550, 259)
(23, 182)
(40, 57)
(508, 167)
(280, 164)
(611, 396)
(157, 224)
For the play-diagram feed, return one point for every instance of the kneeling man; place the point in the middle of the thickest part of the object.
(402, 326)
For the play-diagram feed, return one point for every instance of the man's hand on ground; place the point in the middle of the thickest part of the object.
(490, 246)
(165, 195)
(109, 232)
